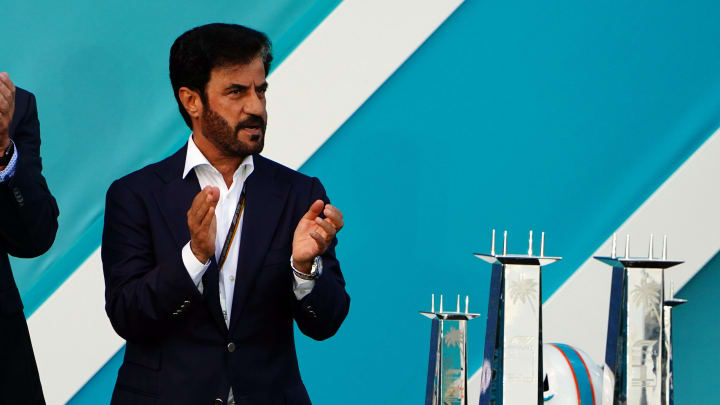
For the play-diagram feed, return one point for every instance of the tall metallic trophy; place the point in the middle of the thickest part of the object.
(638, 338)
(447, 366)
(668, 382)
(512, 370)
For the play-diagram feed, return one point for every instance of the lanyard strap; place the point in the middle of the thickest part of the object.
(233, 229)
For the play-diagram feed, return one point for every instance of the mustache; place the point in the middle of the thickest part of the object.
(254, 121)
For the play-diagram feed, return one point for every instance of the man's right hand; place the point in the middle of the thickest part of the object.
(202, 224)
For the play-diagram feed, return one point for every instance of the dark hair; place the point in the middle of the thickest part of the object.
(198, 51)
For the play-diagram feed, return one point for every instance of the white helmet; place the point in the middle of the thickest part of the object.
(570, 377)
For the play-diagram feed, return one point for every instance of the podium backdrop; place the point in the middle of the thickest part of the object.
(566, 117)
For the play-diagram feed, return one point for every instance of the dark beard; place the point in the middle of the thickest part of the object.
(217, 130)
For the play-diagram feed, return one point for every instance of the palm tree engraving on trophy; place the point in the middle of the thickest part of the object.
(638, 348)
(447, 366)
(647, 295)
(512, 365)
(524, 291)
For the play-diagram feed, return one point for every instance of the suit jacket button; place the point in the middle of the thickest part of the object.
(18, 196)
(231, 347)
(218, 401)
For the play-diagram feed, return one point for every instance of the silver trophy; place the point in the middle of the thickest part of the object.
(638, 350)
(447, 366)
(512, 370)
(670, 303)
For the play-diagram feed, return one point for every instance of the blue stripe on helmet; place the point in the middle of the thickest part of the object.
(582, 375)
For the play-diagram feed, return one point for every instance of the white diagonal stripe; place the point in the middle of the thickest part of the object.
(313, 92)
(342, 62)
(685, 208)
(71, 336)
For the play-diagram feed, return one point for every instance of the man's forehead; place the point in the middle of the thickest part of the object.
(253, 68)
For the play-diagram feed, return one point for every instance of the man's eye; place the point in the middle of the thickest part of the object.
(236, 91)
(261, 91)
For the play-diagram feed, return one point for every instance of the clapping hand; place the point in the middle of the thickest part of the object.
(202, 223)
(314, 234)
(7, 108)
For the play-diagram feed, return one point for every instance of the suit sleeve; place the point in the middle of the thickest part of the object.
(142, 296)
(28, 223)
(320, 313)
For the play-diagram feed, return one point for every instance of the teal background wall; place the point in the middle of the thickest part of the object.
(560, 117)
(696, 333)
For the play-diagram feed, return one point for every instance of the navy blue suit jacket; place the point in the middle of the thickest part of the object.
(179, 349)
(28, 223)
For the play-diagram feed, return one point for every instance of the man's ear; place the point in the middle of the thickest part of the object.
(192, 102)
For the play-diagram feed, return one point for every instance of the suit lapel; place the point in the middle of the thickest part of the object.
(265, 198)
(175, 199)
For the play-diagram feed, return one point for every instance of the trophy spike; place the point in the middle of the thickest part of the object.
(664, 256)
(467, 303)
(441, 299)
(530, 244)
(458, 304)
(542, 244)
(627, 246)
(505, 243)
(613, 252)
(432, 303)
(650, 248)
(492, 245)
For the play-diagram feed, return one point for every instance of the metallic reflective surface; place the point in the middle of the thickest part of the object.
(447, 365)
(645, 329)
(668, 382)
(639, 347)
(517, 259)
(522, 339)
(512, 364)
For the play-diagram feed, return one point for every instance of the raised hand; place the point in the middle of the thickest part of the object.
(202, 223)
(314, 234)
(7, 109)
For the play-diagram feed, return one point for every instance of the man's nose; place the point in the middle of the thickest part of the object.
(254, 105)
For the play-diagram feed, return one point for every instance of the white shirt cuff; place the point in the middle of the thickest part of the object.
(194, 267)
(9, 170)
(302, 287)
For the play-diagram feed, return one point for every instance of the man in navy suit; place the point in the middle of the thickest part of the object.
(28, 223)
(210, 254)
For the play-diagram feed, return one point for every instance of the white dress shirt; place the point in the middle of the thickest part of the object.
(224, 211)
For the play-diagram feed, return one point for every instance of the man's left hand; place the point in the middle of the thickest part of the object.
(314, 234)
(7, 108)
